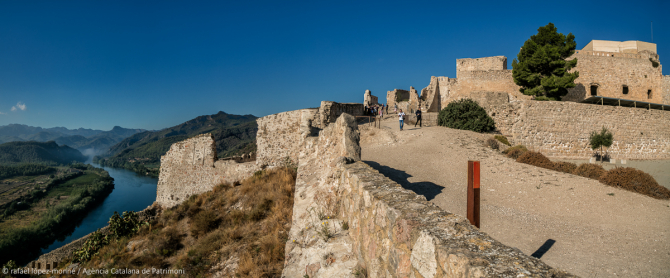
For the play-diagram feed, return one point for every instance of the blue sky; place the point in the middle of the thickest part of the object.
(155, 64)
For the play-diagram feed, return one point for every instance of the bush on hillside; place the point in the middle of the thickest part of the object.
(536, 159)
(635, 180)
(203, 222)
(466, 114)
(492, 143)
(516, 151)
(502, 139)
(590, 170)
(565, 167)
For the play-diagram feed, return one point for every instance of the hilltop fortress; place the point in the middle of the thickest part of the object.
(620, 86)
(392, 231)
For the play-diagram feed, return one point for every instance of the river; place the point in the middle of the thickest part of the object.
(131, 192)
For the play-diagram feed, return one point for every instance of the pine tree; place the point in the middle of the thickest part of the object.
(541, 69)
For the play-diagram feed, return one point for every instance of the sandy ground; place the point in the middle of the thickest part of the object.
(573, 223)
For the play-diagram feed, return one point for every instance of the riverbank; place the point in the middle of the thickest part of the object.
(52, 212)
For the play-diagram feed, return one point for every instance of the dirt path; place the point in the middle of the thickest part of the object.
(573, 223)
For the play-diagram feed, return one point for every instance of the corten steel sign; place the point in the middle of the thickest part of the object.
(473, 192)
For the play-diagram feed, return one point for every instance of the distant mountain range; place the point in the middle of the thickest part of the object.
(89, 141)
(38, 152)
(141, 152)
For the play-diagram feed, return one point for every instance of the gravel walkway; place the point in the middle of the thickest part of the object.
(573, 223)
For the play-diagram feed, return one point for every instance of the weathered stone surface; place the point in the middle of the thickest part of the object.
(369, 99)
(191, 167)
(562, 129)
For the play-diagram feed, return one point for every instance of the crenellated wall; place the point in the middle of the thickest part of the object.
(562, 129)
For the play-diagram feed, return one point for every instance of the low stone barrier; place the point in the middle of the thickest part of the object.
(397, 233)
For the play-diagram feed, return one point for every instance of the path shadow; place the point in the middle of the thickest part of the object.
(425, 188)
(543, 249)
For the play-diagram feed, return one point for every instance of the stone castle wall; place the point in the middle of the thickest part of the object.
(277, 137)
(392, 231)
(494, 63)
(562, 129)
(190, 167)
(391, 97)
(611, 73)
(666, 89)
(329, 111)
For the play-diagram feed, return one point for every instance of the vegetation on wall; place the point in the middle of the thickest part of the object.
(540, 67)
(466, 114)
(654, 63)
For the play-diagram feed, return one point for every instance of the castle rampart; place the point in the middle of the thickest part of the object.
(562, 129)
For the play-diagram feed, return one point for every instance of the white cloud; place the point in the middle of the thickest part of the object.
(2, 113)
(19, 106)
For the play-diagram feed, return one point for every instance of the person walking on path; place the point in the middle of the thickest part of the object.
(387, 109)
(418, 117)
(401, 118)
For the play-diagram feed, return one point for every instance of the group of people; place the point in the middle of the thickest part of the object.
(401, 118)
(381, 109)
(376, 109)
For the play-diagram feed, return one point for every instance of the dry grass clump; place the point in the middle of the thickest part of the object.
(516, 151)
(536, 159)
(590, 170)
(565, 167)
(635, 180)
(492, 143)
(249, 222)
(502, 139)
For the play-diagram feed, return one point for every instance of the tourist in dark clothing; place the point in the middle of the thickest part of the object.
(418, 118)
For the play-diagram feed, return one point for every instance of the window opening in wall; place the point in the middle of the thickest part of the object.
(594, 90)
(625, 89)
(649, 94)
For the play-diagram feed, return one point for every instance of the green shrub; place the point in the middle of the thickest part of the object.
(91, 246)
(565, 167)
(128, 224)
(635, 180)
(502, 139)
(654, 63)
(516, 151)
(466, 114)
(589, 170)
(536, 159)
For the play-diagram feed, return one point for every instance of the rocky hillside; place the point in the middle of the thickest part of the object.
(38, 152)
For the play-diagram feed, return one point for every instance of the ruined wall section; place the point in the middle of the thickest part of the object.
(611, 72)
(190, 167)
(666, 89)
(278, 137)
(430, 96)
(562, 129)
(494, 63)
(369, 99)
(391, 97)
(329, 111)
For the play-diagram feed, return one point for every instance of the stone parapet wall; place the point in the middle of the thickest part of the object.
(562, 129)
(666, 89)
(397, 233)
(190, 167)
